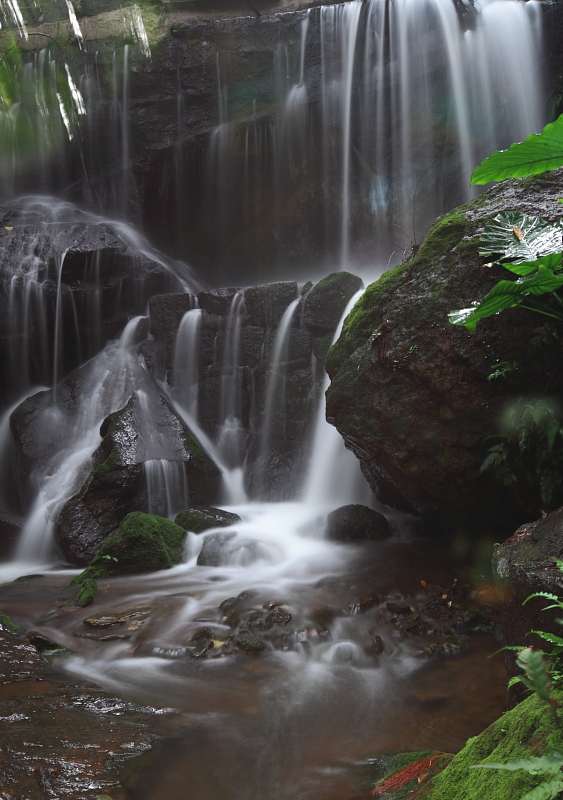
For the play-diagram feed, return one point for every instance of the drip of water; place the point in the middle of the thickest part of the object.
(229, 441)
(334, 475)
(167, 488)
(275, 394)
(186, 362)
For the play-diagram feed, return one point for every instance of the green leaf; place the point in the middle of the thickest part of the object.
(549, 637)
(549, 764)
(521, 238)
(537, 153)
(547, 595)
(545, 791)
(554, 262)
(506, 294)
(538, 676)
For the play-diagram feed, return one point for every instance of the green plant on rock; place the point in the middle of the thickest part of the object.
(528, 247)
(531, 448)
(549, 764)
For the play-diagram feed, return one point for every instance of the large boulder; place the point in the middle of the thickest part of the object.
(410, 392)
(138, 435)
(143, 543)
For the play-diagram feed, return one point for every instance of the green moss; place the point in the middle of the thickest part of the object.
(106, 465)
(88, 592)
(361, 322)
(8, 623)
(144, 542)
(526, 730)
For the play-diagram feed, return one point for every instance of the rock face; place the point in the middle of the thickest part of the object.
(237, 343)
(120, 481)
(524, 564)
(355, 523)
(409, 391)
(69, 281)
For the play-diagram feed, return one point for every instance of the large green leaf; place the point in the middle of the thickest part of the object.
(506, 294)
(550, 763)
(537, 153)
(521, 239)
(545, 791)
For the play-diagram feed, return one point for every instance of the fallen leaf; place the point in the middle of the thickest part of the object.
(518, 232)
(444, 597)
(423, 583)
(8, 229)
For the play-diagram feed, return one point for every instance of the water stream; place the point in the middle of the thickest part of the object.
(377, 111)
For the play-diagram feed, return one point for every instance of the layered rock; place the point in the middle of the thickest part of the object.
(410, 392)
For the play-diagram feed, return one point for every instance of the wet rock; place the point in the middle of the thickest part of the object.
(412, 624)
(198, 520)
(109, 281)
(249, 644)
(200, 649)
(355, 523)
(117, 485)
(166, 312)
(398, 607)
(279, 615)
(524, 564)
(10, 529)
(374, 646)
(450, 646)
(42, 643)
(203, 635)
(70, 735)
(409, 391)
(326, 302)
(212, 550)
(116, 618)
(217, 301)
(266, 304)
(143, 543)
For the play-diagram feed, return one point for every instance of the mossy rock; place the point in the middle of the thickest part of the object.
(7, 624)
(143, 543)
(198, 520)
(326, 302)
(410, 392)
(527, 730)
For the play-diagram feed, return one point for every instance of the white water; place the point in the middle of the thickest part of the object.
(186, 362)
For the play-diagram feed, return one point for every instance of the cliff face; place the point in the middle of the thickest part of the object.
(409, 391)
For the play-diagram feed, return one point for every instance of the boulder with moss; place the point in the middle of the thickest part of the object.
(143, 543)
(410, 392)
(198, 520)
(525, 731)
(145, 430)
(326, 302)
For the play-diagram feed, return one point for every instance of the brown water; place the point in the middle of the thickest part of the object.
(288, 723)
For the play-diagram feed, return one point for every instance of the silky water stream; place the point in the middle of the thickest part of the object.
(338, 682)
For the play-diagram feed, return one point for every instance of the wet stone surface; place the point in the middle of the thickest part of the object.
(60, 739)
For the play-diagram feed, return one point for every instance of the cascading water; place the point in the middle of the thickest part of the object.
(375, 103)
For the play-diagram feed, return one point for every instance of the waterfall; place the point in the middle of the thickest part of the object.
(387, 108)
(186, 362)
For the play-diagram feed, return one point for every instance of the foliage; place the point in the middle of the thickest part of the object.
(530, 248)
(537, 153)
(531, 449)
(500, 369)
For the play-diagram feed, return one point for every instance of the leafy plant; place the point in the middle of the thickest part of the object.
(531, 450)
(501, 369)
(530, 248)
(537, 153)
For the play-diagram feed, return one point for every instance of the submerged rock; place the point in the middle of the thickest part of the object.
(355, 523)
(410, 392)
(326, 302)
(198, 520)
(214, 549)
